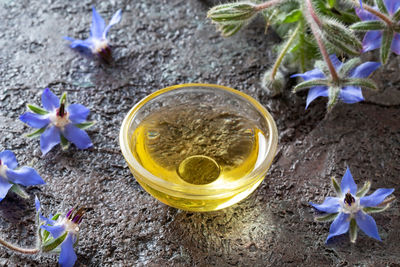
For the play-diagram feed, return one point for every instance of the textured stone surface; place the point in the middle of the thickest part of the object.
(161, 43)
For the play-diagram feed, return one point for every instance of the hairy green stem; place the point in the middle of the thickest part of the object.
(18, 249)
(315, 25)
(371, 10)
(268, 4)
(284, 51)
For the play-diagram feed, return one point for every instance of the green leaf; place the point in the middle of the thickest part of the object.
(19, 191)
(63, 98)
(381, 6)
(53, 243)
(36, 133)
(353, 230)
(375, 209)
(85, 125)
(326, 218)
(365, 83)
(368, 25)
(336, 186)
(37, 110)
(348, 66)
(293, 16)
(331, 3)
(307, 84)
(364, 190)
(396, 16)
(387, 38)
(64, 142)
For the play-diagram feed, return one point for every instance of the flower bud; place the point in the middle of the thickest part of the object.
(273, 85)
(232, 12)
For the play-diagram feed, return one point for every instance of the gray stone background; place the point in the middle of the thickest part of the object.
(165, 42)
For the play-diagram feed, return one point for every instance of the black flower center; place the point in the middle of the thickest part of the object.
(349, 199)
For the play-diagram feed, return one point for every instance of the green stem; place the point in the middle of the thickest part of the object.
(283, 52)
(315, 25)
(18, 249)
(371, 10)
(268, 4)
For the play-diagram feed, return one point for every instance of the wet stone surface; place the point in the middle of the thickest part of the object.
(161, 43)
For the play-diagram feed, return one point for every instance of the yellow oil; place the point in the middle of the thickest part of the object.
(203, 145)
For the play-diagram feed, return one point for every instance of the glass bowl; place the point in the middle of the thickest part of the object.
(199, 147)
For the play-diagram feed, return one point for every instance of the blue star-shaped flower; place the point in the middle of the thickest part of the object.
(373, 39)
(65, 228)
(348, 93)
(97, 43)
(352, 205)
(58, 122)
(9, 175)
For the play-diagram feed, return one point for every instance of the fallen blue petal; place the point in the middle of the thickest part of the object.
(347, 184)
(49, 100)
(25, 176)
(367, 224)
(339, 226)
(77, 136)
(330, 205)
(116, 18)
(49, 138)
(98, 25)
(376, 198)
(35, 120)
(77, 113)
(67, 254)
(8, 158)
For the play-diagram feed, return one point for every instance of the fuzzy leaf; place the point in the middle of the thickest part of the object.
(364, 190)
(293, 16)
(19, 191)
(365, 83)
(381, 6)
(333, 97)
(348, 66)
(368, 25)
(353, 230)
(387, 38)
(37, 110)
(336, 186)
(85, 125)
(326, 218)
(307, 84)
(375, 209)
(53, 243)
(396, 15)
(36, 133)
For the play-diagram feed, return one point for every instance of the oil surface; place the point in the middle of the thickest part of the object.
(197, 145)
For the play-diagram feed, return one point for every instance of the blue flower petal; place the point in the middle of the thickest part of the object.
(396, 44)
(348, 183)
(37, 203)
(55, 230)
(336, 62)
(392, 6)
(116, 18)
(49, 100)
(376, 198)
(351, 94)
(310, 75)
(339, 226)
(365, 15)
(330, 205)
(77, 136)
(80, 44)
(315, 92)
(8, 158)
(67, 254)
(25, 176)
(364, 70)
(372, 40)
(367, 224)
(49, 138)
(4, 187)
(98, 25)
(35, 120)
(77, 113)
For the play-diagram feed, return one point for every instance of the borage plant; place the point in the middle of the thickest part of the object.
(314, 29)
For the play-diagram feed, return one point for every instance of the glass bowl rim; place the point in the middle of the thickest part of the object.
(198, 190)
